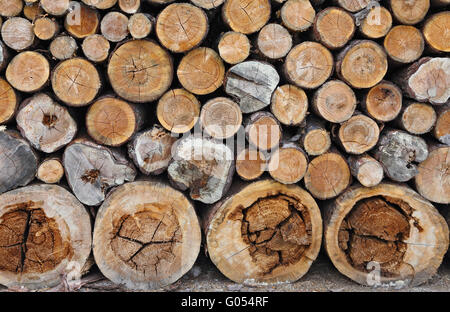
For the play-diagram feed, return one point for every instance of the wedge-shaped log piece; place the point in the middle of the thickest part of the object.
(92, 169)
(204, 166)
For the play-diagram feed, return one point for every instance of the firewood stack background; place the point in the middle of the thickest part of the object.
(134, 133)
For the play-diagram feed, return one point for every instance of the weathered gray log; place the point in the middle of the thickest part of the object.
(151, 150)
(400, 152)
(427, 80)
(92, 169)
(47, 125)
(204, 166)
(252, 84)
(18, 161)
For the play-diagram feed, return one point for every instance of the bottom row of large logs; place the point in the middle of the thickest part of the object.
(147, 235)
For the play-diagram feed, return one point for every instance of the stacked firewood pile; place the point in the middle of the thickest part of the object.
(275, 127)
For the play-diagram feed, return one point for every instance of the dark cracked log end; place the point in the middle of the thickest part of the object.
(266, 233)
(385, 235)
(44, 233)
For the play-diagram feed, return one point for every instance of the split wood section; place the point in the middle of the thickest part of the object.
(264, 233)
(389, 226)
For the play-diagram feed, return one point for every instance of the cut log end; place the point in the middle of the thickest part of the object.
(367, 170)
(208, 4)
(201, 71)
(252, 84)
(60, 229)
(404, 44)
(114, 26)
(10, 8)
(250, 164)
(204, 166)
(20, 164)
(288, 164)
(63, 47)
(274, 41)
(50, 171)
(289, 105)
(55, 7)
(359, 134)
(327, 176)
(314, 138)
(76, 82)
(297, 15)
(417, 118)
(178, 111)
(111, 121)
(47, 125)
(9, 100)
(96, 48)
(146, 236)
(377, 23)
(335, 101)
(433, 176)
(129, 6)
(389, 228)
(151, 150)
(309, 65)
(32, 11)
(383, 102)
(352, 5)
(140, 71)
(432, 31)
(409, 12)
(45, 28)
(362, 64)
(400, 152)
(234, 47)
(101, 4)
(334, 27)
(427, 80)
(34, 78)
(140, 25)
(246, 17)
(17, 33)
(263, 131)
(82, 21)
(272, 232)
(221, 118)
(92, 169)
(180, 27)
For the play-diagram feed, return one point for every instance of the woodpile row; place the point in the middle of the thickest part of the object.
(136, 132)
